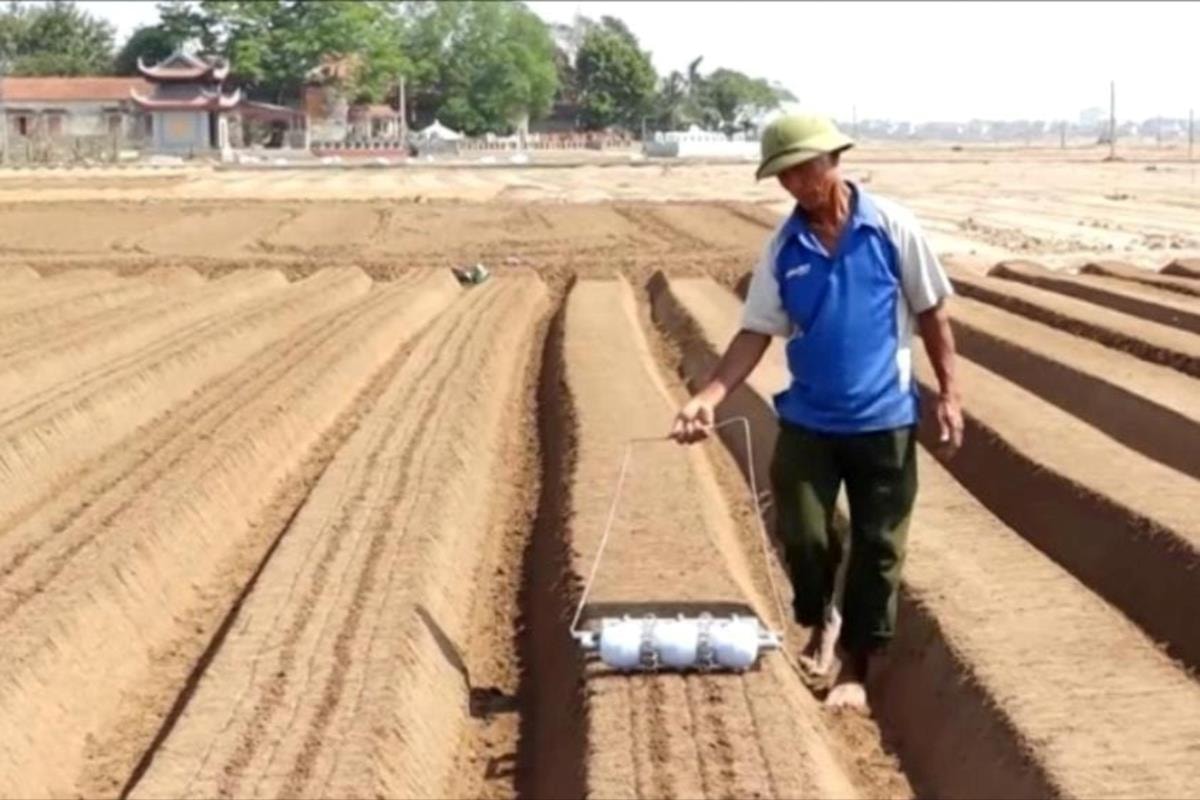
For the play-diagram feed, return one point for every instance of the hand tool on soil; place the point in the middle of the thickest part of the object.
(705, 641)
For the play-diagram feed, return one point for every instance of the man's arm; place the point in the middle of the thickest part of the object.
(934, 325)
(695, 420)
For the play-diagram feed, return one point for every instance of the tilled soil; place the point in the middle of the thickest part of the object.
(289, 512)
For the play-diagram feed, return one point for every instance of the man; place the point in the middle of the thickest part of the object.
(846, 277)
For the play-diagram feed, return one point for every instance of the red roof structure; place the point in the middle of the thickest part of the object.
(185, 82)
(184, 67)
(66, 90)
(204, 101)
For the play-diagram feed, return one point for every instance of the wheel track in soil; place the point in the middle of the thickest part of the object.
(402, 433)
(119, 396)
(199, 499)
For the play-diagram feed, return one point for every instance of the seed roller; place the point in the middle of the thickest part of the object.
(701, 641)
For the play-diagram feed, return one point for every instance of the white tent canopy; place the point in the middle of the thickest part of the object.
(439, 131)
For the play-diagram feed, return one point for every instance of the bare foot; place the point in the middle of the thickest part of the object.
(850, 691)
(850, 694)
(819, 655)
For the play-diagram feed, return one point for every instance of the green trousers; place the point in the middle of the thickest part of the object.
(879, 471)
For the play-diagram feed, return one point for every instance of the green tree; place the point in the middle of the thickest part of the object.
(54, 39)
(670, 104)
(151, 43)
(186, 24)
(272, 44)
(481, 66)
(733, 95)
(616, 79)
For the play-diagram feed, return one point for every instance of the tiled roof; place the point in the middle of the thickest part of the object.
(15, 89)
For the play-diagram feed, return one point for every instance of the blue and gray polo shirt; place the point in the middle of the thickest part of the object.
(849, 316)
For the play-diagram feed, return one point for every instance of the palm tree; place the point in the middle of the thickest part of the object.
(672, 95)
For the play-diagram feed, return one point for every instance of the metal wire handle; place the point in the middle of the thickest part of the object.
(612, 515)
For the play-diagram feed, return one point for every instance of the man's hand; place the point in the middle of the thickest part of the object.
(694, 422)
(950, 425)
(934, 324)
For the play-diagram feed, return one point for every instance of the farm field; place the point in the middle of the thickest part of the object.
(289, 512)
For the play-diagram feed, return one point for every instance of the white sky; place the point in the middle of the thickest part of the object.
(912, 61)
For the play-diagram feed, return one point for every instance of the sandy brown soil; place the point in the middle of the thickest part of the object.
(1062, 207)
(117, 582)
(1003, 643)
(361, 571)
(287, 512)
(1162, 280)
(1138, 299)
(1183, 267)
(1152, 341)
(1150, 408)
(1081, 505)
(755, 735)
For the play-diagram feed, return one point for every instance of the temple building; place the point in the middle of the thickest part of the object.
(187, 107)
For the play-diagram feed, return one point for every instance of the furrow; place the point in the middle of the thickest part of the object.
(115, 629)
(345, 675)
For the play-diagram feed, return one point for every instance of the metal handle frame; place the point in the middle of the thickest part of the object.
(626, 458)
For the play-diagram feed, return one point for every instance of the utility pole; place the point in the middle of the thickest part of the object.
(1062, 135)
(1112, 120)
(1191, 132)
(403, 114)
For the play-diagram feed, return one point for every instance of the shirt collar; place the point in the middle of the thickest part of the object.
(863, 213)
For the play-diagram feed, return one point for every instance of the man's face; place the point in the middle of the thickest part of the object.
(811, 182)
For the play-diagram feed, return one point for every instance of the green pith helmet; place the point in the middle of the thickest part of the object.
(796, 138)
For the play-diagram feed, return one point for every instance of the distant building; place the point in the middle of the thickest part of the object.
(47, 108)
(187, 105)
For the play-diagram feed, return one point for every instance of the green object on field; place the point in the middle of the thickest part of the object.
(472, 275)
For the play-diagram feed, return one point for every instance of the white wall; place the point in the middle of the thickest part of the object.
(701, 149)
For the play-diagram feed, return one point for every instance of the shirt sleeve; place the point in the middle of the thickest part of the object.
(921, 273)
(764, 311)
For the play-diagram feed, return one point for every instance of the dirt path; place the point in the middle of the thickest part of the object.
(991, 686)
(759, 734)
(151, 547)
(1125, 296)
(1150, 408)
(1123, 524)
(1159, 344)
(378, 566)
